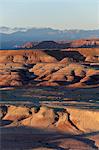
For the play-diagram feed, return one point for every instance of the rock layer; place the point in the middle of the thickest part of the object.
(48, 68)
(68, 120)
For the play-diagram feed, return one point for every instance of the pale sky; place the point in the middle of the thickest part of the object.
(59, 14)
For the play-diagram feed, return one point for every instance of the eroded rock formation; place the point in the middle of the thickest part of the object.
(48, 68)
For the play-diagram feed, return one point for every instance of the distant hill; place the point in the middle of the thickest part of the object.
(12, 38)
(83, 43)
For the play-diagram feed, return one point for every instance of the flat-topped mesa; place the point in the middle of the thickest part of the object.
(81, 43)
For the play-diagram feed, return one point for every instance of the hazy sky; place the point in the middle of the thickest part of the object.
(60, 14)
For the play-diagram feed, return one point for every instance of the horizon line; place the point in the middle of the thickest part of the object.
(33, 27)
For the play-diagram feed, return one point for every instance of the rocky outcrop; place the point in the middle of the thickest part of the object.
(70, 127)
(46, 68)
(47, 74)
(25, 56)
(90, 54)
(70, 120)
(85, 120)
(39, 117)
(13, 76)
(57, 74)
(87, 43)
(44, 118)
(15, 113)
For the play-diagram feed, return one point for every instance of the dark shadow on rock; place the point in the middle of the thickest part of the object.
(94, 80)
(64, 83)
(30, 138)
(76, 79)
(89, 134)
(5, 122)
(3, 111)
(59, 55)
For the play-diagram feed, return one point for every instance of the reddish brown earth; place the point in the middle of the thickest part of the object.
(44, 127)
(49, 68)
(85, 43)
(61, 44)
(90, 54)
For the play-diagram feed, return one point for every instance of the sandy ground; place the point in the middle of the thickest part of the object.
(29, 138)
(23, 138)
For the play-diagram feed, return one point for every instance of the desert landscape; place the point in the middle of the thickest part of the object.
(49, 74)
(49, 98)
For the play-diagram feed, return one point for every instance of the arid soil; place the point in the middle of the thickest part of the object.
(49, 68)
(45, 128)
(63, 117)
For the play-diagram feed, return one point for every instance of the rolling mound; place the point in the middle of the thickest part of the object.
(47, 128)
(48, 68)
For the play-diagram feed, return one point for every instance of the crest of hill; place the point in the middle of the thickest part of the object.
(82, 43)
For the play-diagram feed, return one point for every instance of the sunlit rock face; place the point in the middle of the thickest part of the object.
(85, 120)
(48, 68)
(71, 120)
(70, 127)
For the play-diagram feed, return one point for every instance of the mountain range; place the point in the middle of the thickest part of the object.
(11, 38)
